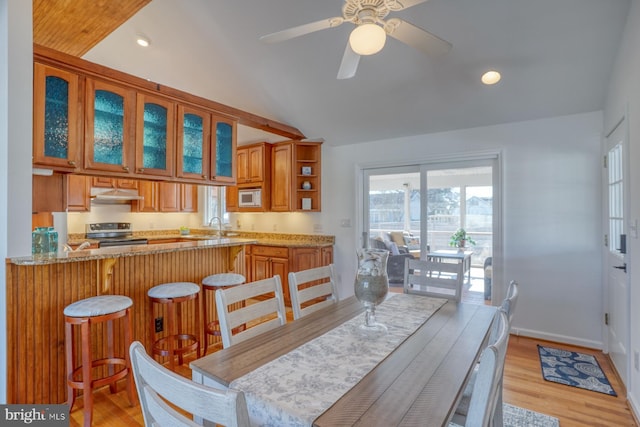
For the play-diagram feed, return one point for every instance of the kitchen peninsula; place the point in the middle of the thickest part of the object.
(39, 289)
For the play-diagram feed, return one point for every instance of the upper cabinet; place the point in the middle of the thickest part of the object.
(109, 132)
(193, 147)
(254, 163)
(57, 119)
(223, 149)
(155, 135)
(296, 176)
(206, 146)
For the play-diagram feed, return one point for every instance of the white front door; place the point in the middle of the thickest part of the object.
(616, 277)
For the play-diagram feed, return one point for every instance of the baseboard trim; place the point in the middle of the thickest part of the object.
(598, 345)
(633, 407)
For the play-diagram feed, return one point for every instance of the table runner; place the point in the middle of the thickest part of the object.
(294, 389)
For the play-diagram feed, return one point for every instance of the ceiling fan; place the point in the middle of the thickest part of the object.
(370, 33)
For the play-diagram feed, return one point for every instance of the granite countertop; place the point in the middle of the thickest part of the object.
(197, 238)
(124, 251)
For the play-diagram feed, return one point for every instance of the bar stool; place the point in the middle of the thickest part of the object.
(84, 313)
(211, 283)
(171, 345)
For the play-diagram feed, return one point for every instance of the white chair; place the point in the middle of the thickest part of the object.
(485, 405)
(155, 384)
(265, 311)
(434, 278)
(509, 303)
(312, 290)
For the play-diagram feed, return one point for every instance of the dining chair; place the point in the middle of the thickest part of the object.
(433, 277)
(156, 385)
(509, 303)
(262, 311)
(485, 405)
(312, 289)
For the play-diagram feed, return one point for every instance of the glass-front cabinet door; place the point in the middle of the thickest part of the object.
(109, 128)
(223, 149)
(155, 118)
(193, 147)
(56, 118)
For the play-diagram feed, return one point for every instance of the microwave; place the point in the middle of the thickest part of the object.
(250, 198)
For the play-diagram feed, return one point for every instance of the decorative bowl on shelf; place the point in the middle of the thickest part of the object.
(184, 231)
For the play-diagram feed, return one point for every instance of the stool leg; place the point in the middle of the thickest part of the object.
(87, 392)
(68, 344)
(171, 327)
(198, 325)
(128, 333)
(205, 335)
(152, 329)
(113, 387)
(179, 326)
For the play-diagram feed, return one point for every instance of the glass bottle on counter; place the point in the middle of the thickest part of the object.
(40, 241)
(53, 241)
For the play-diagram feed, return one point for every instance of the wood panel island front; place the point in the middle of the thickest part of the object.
(38, 290)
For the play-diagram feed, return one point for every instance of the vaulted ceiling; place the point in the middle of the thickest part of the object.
(555, 57)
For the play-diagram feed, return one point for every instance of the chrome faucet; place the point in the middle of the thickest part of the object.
(219, 225)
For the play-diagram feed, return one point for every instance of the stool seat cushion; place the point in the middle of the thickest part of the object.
(98, 306)
(173, 290)
(223, 279)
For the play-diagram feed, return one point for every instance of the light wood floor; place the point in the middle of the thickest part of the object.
(523, 386)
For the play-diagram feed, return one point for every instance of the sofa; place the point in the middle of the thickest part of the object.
(395, 262)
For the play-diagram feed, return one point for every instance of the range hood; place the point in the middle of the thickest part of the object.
(117, 195)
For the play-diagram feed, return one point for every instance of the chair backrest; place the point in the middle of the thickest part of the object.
(433, 277)
(156, 383)
(488, 381)
(312, 289)
(258, 315)
(509, 303)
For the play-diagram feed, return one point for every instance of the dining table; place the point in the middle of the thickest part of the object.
(327, 369)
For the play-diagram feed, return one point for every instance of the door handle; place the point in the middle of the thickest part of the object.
(622, 267)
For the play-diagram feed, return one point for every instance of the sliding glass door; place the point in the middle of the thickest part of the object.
(415, 209)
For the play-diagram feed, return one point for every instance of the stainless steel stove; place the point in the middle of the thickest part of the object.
(113, 234)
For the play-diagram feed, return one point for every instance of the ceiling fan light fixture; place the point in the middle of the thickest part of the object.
(367, 39)
(491, 77)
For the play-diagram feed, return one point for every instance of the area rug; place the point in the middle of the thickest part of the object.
(514, 416)
(573, 369)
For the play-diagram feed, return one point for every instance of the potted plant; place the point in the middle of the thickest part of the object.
(460, 238)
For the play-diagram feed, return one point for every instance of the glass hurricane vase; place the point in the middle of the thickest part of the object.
(372, 284)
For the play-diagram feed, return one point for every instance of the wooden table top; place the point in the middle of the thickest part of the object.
(419, 384)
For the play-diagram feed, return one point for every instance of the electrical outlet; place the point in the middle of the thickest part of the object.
(636, 360)
(159, 324)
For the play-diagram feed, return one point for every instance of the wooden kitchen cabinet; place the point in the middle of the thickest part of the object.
(106, 182)
(254, 163)
(155, 135)
(57, 118)
(206, 146)
(78, 193)
(266, 261)
(188, 198)
(109, 127)
(150, 193)
(48, 193)
(296, 177)
(168, 197)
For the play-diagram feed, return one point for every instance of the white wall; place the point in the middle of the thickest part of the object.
(16, 59)
(623, 97)
(551, 212)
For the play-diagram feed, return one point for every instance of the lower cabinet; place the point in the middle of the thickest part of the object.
(264, 261)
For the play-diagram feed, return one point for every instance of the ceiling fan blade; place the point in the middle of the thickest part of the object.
(395, 5)
(349, 63)
(416, 37)
(301, 30)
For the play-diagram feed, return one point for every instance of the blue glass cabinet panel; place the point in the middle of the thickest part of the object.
(108, 128)
(155, 137)
(56, 117)
(224, 150)
(193, 144)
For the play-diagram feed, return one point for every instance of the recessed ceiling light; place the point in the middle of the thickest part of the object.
(491, 77)
(143, 40)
